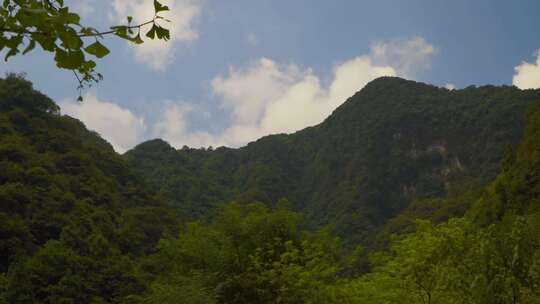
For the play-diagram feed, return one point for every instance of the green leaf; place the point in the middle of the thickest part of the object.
(30, 47)
(70, 39)
(137, 39)
(89, 31)
(73, 18)
(97, 49)
(69, 60)
(163, 33)
(12, 52)
(119, 28)
(46, 42)
(158, 7)
(152, 32)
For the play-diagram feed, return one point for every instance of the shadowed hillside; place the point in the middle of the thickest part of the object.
(78, 225)
(74, 219)
(393, 143)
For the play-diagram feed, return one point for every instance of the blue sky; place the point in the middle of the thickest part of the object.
(238, 70)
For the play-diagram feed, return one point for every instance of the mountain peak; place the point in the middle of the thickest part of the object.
(392, 82)
(157, 144)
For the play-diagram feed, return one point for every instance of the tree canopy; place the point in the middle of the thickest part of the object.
(79, 225)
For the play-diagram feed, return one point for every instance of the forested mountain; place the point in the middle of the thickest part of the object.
(394, 144)
(434, 194)
(74, 219)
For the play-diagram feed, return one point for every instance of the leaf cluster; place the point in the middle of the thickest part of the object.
(25, 24)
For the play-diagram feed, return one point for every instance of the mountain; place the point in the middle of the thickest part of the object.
(392, 144)
(74, 219)
(492, 255)
(454, 175)
(516, 190)
(249, 253)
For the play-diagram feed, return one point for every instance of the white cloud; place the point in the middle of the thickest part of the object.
(527, 75)
(450, 86)
(173, 128)
(183, 15)
(117, 125)
(267, 98)
(408, 57)
(264, 97)
(83, 7)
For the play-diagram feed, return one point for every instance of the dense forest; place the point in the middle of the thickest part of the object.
(393, 145)
(407, 193)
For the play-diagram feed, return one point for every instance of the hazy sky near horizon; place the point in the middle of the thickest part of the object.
(238, 70)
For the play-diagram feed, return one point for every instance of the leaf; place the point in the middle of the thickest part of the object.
(89, 31)
(119, 28)
(152, 32)
(46, 42)
(163, 33)
(12, 52)
(69, 60)
(158, 7)
(30, 47)
(34, 10)
(137, 39)
(97, 49)
(73, 18)
(70, 39)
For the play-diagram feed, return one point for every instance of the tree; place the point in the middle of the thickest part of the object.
(57, 29)
(248, 254)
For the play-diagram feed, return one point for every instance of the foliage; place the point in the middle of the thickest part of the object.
(455, 262)
(248, 254)
(57, 29)
(393, 143)
(493, 256)
(77, 225)
(74, 219)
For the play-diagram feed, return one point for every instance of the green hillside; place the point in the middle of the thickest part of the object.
(250, 254)
(433, 194)
(74, 219)
(393, 143)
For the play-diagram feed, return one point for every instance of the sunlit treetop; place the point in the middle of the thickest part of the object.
(57, 29)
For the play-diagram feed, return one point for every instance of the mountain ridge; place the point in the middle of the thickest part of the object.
(79, 224)
(393, 142)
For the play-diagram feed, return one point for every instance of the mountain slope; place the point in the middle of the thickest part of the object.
(73, 217)
(392, 143)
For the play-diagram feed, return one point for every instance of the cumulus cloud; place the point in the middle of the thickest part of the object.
(183, 15)
(119, 126)
(124, 129)
(263, 97)
(408, 57)
(173, 127)
(266, 97)
(527, 75)
(450, 86)
(84, 8)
